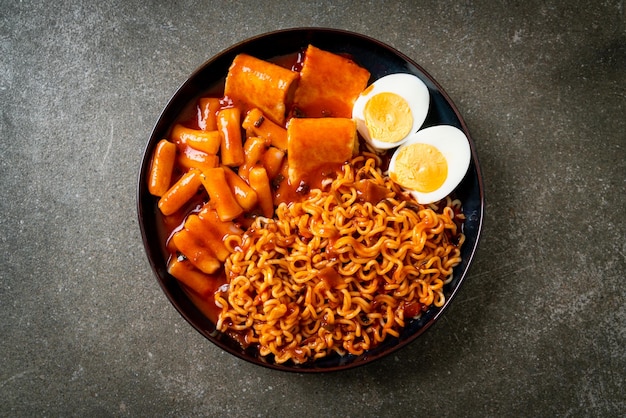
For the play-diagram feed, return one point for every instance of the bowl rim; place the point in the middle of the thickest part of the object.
(159, 271)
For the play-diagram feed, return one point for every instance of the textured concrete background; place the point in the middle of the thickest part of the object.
(539, 329)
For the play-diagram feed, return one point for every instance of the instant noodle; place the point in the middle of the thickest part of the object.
(339, 271)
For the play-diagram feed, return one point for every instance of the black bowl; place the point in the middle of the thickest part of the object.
(380, 60)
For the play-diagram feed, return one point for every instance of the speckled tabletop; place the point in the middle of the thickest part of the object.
(539, 327)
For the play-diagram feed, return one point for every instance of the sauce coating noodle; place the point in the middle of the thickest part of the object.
(340, 270)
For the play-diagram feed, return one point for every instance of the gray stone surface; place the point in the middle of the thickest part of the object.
(539, 329)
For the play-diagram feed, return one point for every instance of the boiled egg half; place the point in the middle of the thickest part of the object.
(390, 109)
(431, 163)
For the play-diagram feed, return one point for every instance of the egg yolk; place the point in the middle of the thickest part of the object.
(388, 117)
(420, 167)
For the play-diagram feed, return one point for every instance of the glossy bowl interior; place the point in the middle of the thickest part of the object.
(380, 60)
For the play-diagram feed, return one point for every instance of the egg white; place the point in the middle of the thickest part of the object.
(407, 86)
(454, 146)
